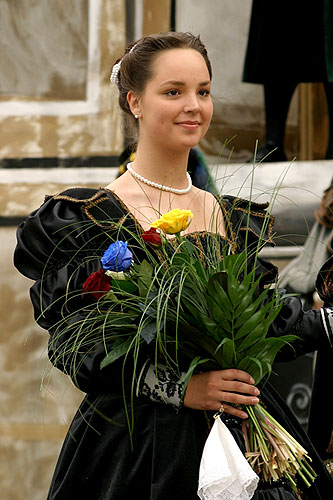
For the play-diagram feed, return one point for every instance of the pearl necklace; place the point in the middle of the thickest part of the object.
(160, 186)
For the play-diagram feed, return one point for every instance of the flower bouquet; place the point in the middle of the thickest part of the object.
(198, 309)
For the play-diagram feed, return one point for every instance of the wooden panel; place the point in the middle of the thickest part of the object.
(313, 122)
(156, 16)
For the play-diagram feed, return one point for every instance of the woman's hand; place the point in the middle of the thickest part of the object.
(207, 391)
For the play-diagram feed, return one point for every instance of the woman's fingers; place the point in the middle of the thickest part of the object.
(207, 391)
(238, 399)
(233, 374)
(239, 387)
(236, 412)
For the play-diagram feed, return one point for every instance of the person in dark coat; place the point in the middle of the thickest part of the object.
(289, 43)
(320, 424)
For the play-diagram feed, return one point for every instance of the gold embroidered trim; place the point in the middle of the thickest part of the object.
(329, 466)
(137, 224)
(231, 237)
(93, 204)
(65, 197)
(227, 214)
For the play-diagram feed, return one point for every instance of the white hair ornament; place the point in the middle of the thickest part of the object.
(115, 72)
(116, 69)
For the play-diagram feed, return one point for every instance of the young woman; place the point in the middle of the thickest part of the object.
(164, 84)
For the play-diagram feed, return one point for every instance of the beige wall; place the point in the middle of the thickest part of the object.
(55, 60)
(33, 422)
(37, 400)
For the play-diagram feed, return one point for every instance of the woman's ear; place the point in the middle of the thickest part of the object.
(134, 103)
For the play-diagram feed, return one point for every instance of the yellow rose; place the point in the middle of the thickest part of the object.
(174, 221)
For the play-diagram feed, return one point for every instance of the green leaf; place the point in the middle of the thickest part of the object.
(268, 348)
(255, 369)
(200, 270)
(144, 278)
(267, 369)
(200, 319)
(190, 248)
(250, 324)
(233, 290)
(244, 316)
(148, 310)
(243, 364)
(208, 324)
(233, 263)
(124, 285)
(218, 312)
(222, 343)
(246, 300)
(215, 288)
(195, 362)
(228, 352)
(194, 311)
(198, 339)
(148, 332)
(116, 353)
(180, 259)
(220, 278)
(256, 334)
(225, 327)
(121, 320)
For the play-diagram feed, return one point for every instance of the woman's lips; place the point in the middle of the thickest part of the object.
(189, 125)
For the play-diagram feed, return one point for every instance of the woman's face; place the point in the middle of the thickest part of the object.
(176, 106)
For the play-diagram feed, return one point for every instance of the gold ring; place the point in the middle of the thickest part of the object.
(220, 411)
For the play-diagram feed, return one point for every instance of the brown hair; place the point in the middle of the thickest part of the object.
(136, 65)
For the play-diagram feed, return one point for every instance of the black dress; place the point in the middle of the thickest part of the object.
(59, 245)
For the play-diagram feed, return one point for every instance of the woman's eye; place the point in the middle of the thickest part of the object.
(204, 92)
(172, 92)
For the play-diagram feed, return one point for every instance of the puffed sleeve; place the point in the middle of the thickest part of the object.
(313, 329)
(250, 226)
(59, 246)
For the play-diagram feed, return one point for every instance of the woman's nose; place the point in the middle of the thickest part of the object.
(192, 104)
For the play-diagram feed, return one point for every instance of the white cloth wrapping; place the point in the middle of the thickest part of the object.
(225, 474)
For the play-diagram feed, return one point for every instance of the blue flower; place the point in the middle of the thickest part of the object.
(117, 257)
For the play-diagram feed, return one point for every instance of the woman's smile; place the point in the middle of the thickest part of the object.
(190, 125)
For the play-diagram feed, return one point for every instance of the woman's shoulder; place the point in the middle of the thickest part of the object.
(63, 225)
(247, 217)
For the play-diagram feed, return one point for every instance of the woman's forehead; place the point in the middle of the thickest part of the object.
(180, 63)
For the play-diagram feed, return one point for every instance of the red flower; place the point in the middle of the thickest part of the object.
(152, 237)
(96, 285)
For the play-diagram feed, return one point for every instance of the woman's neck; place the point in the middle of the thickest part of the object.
(168, 168)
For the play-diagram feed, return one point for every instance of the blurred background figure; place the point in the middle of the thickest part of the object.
(301, 276)
(289, 43)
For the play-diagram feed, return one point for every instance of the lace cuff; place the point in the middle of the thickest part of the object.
(160, 384)
(327, 319)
